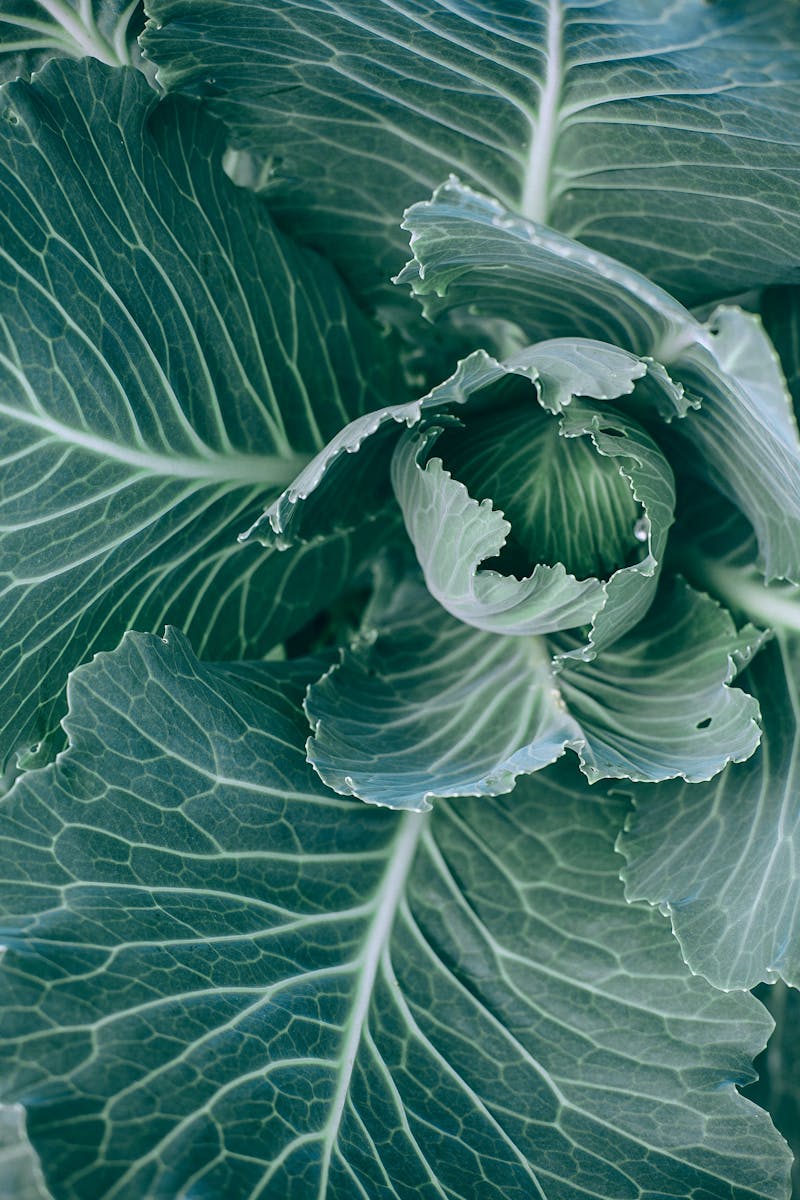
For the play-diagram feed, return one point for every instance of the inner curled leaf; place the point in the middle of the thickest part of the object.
(565, 502)
(565, 519)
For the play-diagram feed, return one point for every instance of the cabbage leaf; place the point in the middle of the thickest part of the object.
(222, 979)
(639, 128)
(167, 361)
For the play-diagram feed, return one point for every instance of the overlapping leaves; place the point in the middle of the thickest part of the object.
(617, 468)
(605, 499)
(628, 124)
(422, 705)
(739, 432)
(168, 360)
(224, 980)
(721, 858)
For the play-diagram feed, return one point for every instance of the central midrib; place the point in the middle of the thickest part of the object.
(772, 606)
(269, 470)
(535, 203)
(385, 905)
(85, 35)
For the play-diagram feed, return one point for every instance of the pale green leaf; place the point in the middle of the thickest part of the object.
(658, 704)
(168, 360)
(349, 477)
(469, 251)
(224, 981)
(668, 136)
(20, 1173)
(453, 534)
(344, 483)
(722, 859)
(423, 706)
(743, 437)
(593, 480)
(741, 434)
(620, 476)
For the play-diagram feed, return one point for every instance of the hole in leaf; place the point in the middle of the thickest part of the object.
(703, 724)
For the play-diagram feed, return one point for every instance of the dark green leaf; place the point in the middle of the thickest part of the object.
(780, 309)
(224, 981)
(167, 361)
(668, 137)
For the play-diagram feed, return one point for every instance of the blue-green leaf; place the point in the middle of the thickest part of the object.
(721, 859)
(32, 31)
(168, 360)
(470, 251)
(222, 980)
(568, 492)
(741, 433)
(667, 137)
(613, 475)
(349, 477)
(423, 705)
(658, 704)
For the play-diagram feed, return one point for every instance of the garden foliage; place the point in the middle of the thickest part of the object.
(400, 624)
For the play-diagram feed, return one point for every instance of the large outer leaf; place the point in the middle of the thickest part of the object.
(423, 705)
(33, 31)
(722, 858)
(665, 135)
(743, 437)
(225, 981)
(167, 360)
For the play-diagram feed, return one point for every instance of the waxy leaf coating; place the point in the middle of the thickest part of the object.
(224, 980)
(667, 136)
(167, 360)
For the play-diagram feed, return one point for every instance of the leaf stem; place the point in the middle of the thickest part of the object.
(536, 188)
(739, 588)
(386, 903)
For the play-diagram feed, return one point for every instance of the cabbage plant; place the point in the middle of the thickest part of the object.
(400, 628)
